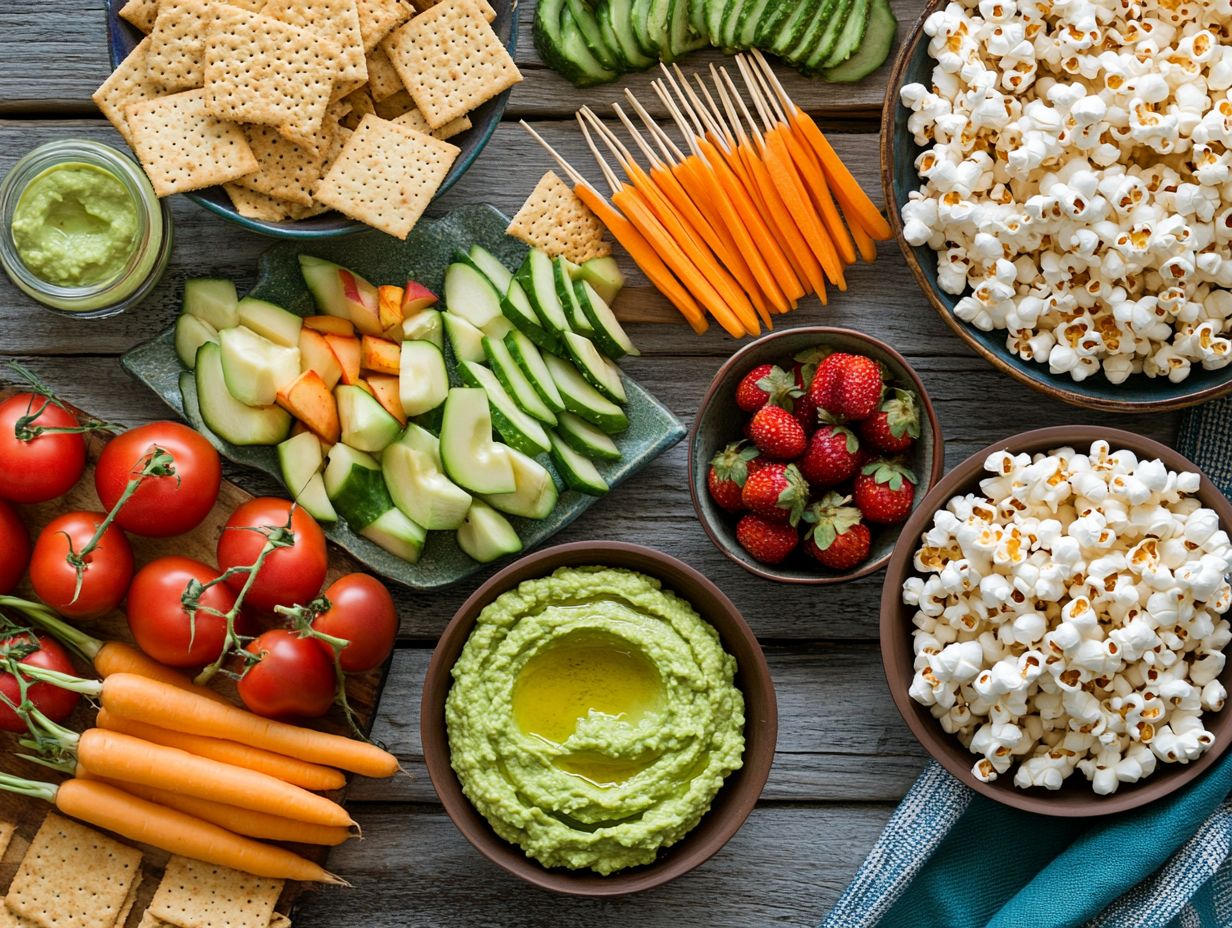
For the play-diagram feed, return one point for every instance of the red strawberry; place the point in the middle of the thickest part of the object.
(764, 384)
(836, 537)
(895, 426)
(776, 492)
(848, 386)
(806, 414)
(777, 433)
(766, 541)
(884, 491)
(832, 456)
(729, 469)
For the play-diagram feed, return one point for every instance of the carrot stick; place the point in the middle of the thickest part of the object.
(814, 182)
(288, 769)
(114, 756)
(783, 170)
(864, 242)
(849, 192)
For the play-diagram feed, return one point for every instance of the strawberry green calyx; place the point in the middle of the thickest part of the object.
(902, 414)
(794, 496)
(830, 517)
(732, 463)
(809, 358)
(891, 473)
(780, 388)
(853, 443)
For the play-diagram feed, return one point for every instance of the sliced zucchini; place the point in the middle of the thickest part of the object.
(227, 417)
(537, 276)
(536, 495)
(417, 482)
(578, 471)
(598, 371)
(212, 300)
(272, 322)
(608, 332)
(528, 358)
(397, 534)
(427, 325)
(873, 50)
(491, 266)
(469, 456)
(517, 309)
(585, 439)
(191, 332)
(515, 382)
(487, 535)
(255, 368)
(583, 400)
(300, 460)
(517, 428)
(423, 380)
(465, 340)
(469, 294)
(366, 424)
(355, 486)
(568, 299)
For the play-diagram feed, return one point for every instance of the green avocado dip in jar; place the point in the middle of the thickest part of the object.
(83, 231)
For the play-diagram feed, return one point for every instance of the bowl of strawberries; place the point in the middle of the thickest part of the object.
(811, 448)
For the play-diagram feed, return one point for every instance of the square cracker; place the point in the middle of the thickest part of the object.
(177, 42)
(383, 80)
(337, 20)
(386, 175)
(73, 877)
(261, 70)
(287, 171)
(198, 895)
(377, 18)
(255, 205)
(10, 919)
(484, 7)
(414, 119)
(451, 60)
(141, 13)
(182, 147)
(394, 106)
(129, 903)
(554, 219)
(129, 83)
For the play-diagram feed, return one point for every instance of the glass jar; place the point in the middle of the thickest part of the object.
(148, 252)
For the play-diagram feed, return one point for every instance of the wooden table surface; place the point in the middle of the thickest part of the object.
(844, 757)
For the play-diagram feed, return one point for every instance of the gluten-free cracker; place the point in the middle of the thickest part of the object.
(554, 219)
(383, 79)
(199, 895)
(377, 18)
(129, 83)
(182, 147)
(141, 13)
(336, 20)
(451, 60)
(386, 175)
(175, 60)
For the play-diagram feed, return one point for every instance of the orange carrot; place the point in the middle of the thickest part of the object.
(812, 181)
(849, 192)
(783, 170)
(289, 769)
(114, 756)
(118, 657)
(864, 242)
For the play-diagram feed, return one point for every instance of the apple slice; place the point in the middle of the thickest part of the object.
(389, 308)
(309, 400)
(380, 355)
(346, 350)
(329, 325)
(341, 292)
(385, 389)
(316, 355)
(416, 297)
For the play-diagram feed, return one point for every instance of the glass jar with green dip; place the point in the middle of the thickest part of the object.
(83, 231)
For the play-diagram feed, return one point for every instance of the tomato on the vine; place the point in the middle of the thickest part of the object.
(55, 703)
(162, 505)
(362, 612)
(14, 548)
(288, 576)
(105, 571)
(293, 677)
(162, 626)
(35, 465)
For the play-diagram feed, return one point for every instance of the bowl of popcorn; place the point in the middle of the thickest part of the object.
(1059, 182)
(1053, 621)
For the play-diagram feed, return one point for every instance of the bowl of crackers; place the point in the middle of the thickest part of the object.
(309, 118)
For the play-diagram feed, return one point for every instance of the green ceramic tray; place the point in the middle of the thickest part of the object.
(422, 257)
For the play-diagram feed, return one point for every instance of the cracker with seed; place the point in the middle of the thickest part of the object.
(386, 175)
(140, 13)
(377, 18)
(336, 20)
(182, 147)
(451, 60)
(414, 119)
(261, 70)
(129, 83)
(73, 877)
(177, 42)
(198, 895)
(554, 219)
(383, 80)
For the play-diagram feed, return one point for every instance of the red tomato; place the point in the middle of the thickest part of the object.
(55, 703)
(293, 678)
(108, 568)
(170, 505)
(361, 611)
(289, 576)
(14, 548)
(35, 468)
(159, 622)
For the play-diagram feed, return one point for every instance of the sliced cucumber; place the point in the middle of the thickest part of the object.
(191, 332)
(681, 38)
(873, 50)
(816, 29)
(731, 22)
(227, 417)
(490, 266)
(470, 457)
(658, 28)
(536, 495)
(578, 471)
(641, 28)
(272, 322)
(255, 368)
(610, 39)
(487, 535)
(829, 38)
(538, 278)
(212, 300)
(469, 294)
(794, 29)
(423, 380)
(549, 39)
(598, 371)
(568, 299)
(583, 400)
(300, 460)
(355, 486)
(586, 69)
(619, 14)
(776, 19)
(604, 275)
(585, 439)
(517, 428)
(366, 424)
(427, 325)
(515, 382)
(397, 534)
(608, 332)
(528, 358)
(192, 406)
(417, 482)
(852, 34)
(751, 14)
(465, 340)
(592, 35)
(518, 310)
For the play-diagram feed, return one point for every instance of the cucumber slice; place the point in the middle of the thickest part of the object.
(608, 332)
(536, 495)
(658, 29)
(714, 21)
(568, 300)
(587, 70)
(583, 400)
(255, 368)
(490, 266)
(518, 310)
(794, 29)
(192, 406)
(873, 50)
(528, 358)
(465, 340)
(212, 300)
(469, 294)
(537, 276)
(355, 486)
(619, 15)
(579, 472)
(604, 275)
(641, 26)
(272, 322)
(549, 39)
(851, 35)
(598, 371)
(366, 424)
(697, 16)
(227, 417)
(751, 15)
(731, 22)
(427, 325)
(418, 485)
(816, 29)
(300, 460)
(487, 535)
(469, 456)
(592, 35)
(423, 380)
(515, 382)
(681, 38)
(777, 16)
(610, 39)
(829, 38)
(397, 534)
(517, 428)
(585, 439)
(191, 332)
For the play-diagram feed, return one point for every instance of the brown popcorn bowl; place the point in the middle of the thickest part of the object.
(1075, 798)
(734, 801)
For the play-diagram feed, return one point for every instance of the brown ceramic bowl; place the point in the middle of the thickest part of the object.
(730, 807)
(1075, 798)
(719, 421)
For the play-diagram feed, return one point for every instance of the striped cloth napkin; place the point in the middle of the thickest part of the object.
(949, 858)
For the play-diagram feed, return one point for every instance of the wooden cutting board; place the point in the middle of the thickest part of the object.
(363, 690)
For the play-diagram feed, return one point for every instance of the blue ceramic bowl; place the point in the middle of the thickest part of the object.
(898, 155)
(122, 38)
